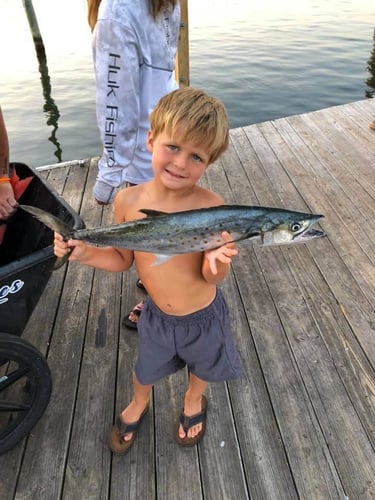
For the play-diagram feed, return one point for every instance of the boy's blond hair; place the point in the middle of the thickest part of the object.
(191, 115)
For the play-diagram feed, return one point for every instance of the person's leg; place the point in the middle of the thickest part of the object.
(193, 404)
(140, 400)
(107, 181)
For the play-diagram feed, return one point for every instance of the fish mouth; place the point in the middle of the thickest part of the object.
(310, 234)
(269, 239)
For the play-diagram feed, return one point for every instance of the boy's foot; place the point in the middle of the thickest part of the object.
(372, 125)
(191, 429)
(131, 320)
(123, 434)
(139, 284)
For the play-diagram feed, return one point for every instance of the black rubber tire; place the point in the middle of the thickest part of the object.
(25, 389)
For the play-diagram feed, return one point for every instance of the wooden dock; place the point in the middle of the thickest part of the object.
(300, 422)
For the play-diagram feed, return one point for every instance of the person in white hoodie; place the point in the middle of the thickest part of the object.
(134, 50)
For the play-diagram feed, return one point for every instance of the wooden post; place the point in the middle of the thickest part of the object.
(33, 23)
(50, 107)
(370, 82)
(182, 65)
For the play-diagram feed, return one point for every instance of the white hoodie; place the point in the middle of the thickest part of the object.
(134, 58)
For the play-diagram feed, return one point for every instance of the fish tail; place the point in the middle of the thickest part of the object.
(60, 261)
(49, 220)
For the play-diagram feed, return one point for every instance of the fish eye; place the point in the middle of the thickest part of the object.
(296, 226)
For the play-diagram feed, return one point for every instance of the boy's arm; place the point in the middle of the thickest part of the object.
(216, 263)
(105, 258)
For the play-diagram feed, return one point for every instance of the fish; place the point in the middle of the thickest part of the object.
(170, 234)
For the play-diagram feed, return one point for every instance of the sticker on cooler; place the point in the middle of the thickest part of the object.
(5, 290)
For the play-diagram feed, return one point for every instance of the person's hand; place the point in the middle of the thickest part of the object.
(222, 254)
(77, 248)
(8, 203)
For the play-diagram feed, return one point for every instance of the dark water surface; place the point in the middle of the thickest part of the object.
(265, 59)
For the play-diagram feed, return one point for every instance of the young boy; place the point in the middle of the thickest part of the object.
(185, 319)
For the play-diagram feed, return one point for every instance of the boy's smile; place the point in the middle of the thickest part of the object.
(175, 162)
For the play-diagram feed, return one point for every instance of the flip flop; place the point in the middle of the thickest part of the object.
(139, 284)
(137, 311)
(188, 422)
(116, 441)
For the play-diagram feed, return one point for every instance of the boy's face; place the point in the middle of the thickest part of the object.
(176, 163)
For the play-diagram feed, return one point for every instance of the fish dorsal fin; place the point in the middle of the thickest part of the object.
(150, 212)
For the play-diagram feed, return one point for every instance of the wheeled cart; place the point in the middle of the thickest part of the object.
(26, 263)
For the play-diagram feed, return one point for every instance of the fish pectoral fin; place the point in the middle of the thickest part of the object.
(150, 212)
(160, 259)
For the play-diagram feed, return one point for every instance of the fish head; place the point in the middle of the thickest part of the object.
(294, 228)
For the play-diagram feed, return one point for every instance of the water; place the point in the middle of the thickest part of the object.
(264, 58)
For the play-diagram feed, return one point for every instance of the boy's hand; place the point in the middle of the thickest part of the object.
(62, 248)
(222, 254)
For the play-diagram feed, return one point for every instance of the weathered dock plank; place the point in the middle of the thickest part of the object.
(265, 277)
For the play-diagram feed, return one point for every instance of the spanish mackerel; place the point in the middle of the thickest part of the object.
(169, 234)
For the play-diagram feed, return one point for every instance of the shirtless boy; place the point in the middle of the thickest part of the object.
(185, 319)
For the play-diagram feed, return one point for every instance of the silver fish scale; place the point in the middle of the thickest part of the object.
(173, 233)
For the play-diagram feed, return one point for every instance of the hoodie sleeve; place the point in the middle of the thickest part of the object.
(117, 64)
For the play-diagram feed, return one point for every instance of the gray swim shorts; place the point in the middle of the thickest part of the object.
(202, 340)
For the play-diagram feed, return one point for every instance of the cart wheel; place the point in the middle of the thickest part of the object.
(25, 389)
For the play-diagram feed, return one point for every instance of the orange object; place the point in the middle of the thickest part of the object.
(19, 187)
